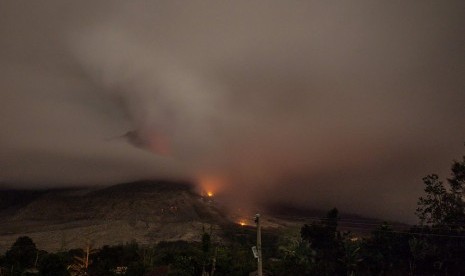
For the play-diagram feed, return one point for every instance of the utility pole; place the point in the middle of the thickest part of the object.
(259, 245)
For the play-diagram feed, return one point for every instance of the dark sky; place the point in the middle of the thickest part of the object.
(319, 103)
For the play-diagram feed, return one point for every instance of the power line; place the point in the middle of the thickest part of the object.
(371, 222)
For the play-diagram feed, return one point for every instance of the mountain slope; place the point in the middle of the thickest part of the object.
(143, 211)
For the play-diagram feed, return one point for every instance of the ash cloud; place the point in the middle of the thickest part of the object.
(314, 103)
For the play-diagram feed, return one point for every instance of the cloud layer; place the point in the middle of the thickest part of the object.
(316, 103)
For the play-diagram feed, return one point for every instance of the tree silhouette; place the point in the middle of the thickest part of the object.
(441, 213)
(53, 265)
(443, 207)
(327, 242)
(22, 254)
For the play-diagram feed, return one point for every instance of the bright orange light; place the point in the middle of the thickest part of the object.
(209, 185)
(242, 223)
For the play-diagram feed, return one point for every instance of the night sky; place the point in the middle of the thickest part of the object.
(318, 103)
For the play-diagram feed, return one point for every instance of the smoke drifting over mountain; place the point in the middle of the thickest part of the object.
(317, 103)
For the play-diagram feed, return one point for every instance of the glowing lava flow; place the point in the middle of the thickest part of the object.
(209, 194)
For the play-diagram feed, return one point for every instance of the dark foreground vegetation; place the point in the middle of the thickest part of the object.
(434, 247)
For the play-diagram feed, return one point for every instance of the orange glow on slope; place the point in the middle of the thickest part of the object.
(209, 185)
(242, 223)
